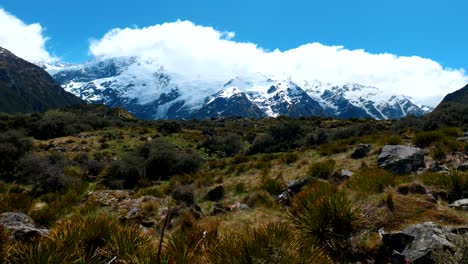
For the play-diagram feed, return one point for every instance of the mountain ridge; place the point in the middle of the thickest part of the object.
(25, 87)
(149, 91)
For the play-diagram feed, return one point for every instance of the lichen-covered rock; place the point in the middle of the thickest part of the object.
(21, 226)
(106, 197)
(401, 159)
(418, 243)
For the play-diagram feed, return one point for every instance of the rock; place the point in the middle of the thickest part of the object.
(346, 173)
(216, 194)
(460, 204)
(21, 226)
(361, 151)
(294, 187)
(417, 243)
(411, 188)
(436, 167)
(220, 209)
(239, 206)
(463, 167)
(401, 159)
(106, 197)
(463, 139)
(456, 159)
(338, 178)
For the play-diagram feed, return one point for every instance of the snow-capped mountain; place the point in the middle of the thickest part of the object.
(150, 91)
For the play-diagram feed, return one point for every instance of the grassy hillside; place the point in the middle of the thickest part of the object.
(109, 186)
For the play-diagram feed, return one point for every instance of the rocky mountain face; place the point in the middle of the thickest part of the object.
(149, 91)
(25, 87)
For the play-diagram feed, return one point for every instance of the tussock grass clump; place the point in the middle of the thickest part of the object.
(272, 186)
(325, 216)
(273, 243)
(426, 138)
(321, 170)
(371, 180)
(259, 198)
(86, 240)
(394, 140)
(332, 148)
(455, 183)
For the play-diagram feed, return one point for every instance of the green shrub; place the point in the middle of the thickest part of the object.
(163, 159)
(438, 152)
(45, 174)
(261, 144)
(123, 174)
(331, 149)
(425, 139)
(371, 180)
(324, 216)
(13, 145)
(289, 157)
(321, 170)
(239, 188)
(451, 131)
(394, 140)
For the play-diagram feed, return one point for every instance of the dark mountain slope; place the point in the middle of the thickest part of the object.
(452, 111)
(25, 87)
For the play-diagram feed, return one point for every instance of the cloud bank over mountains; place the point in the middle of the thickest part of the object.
(26, 41)
(204, 52)
(200, 52)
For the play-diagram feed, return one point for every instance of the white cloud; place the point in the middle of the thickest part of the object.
(198, 51)
(25, 41)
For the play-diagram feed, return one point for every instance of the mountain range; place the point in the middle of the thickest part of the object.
(149, 91)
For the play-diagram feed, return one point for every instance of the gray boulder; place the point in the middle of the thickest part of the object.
(21, 226)
(361, 151)
(417, 243)
(460, 204)
(401, 159)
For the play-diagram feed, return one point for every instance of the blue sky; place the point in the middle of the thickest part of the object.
(431, 29)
